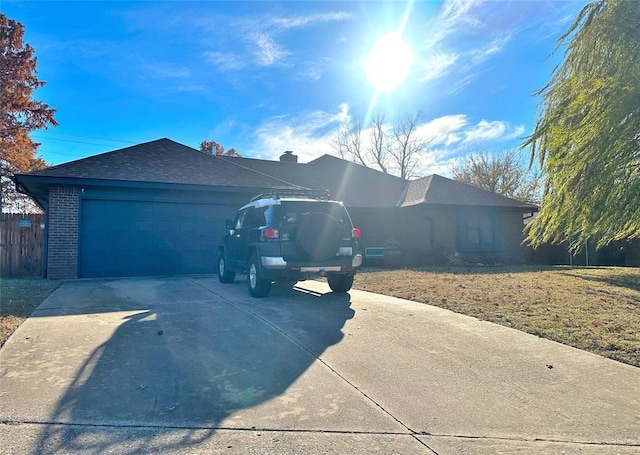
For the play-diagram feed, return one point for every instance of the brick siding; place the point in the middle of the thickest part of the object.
(62, 257)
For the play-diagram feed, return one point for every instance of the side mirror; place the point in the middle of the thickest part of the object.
(229, 224)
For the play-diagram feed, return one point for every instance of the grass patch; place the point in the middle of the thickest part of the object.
(596, 309)
(18, 298)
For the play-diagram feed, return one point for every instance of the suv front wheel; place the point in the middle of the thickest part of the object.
(258, 286)
(340, 283)
(224, 275)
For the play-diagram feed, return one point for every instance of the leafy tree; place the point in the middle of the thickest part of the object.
(19, 112)
(502, 173)
(587, 136)
(209, 146)
(392, 148)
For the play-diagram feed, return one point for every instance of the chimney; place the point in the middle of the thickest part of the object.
(289, 157)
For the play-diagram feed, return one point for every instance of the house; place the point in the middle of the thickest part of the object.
(159, 208)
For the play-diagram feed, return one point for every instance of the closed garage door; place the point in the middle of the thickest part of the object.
(139, 238)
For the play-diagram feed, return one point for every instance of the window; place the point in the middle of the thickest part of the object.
(478, 231)
(255, 217)
(240, 219)
(251, 218)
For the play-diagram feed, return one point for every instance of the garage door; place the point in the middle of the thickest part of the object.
(139, 238)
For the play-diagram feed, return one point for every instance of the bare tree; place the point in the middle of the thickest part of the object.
(393, 149)
(348, 141)
(502, 172)
(379, 145)
(408, 145)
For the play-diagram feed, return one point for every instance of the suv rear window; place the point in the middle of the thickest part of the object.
(294, 212)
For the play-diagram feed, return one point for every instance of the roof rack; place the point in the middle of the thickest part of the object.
(278, 193)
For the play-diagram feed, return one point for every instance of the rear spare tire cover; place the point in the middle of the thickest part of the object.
(319, 236)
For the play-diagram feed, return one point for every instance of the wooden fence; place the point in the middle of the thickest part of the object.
(21, 243)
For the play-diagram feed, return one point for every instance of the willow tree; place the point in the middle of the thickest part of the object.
(587, 136)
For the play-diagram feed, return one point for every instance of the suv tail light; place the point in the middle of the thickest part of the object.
(355, 233)
(270, 233)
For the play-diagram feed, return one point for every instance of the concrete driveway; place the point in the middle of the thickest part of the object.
(187, 365)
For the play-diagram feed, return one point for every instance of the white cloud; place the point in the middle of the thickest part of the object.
(443, 130)
(313, 69)
(485, 131)
(311, 72)
(436, 161)
(455, 130)
(495, 46)
(453, 15)
(261, 38)
(266, 50)
(437, 65)
(467, 34)
(308, 134)
(450, 135)
(301, 21)
(225, 61)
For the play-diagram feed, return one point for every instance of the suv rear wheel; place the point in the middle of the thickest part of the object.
(340, 283)
(224, 275)
(258, 286)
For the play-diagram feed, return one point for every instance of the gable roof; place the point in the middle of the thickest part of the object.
(439, 190)
(160, 161)
(166, 162)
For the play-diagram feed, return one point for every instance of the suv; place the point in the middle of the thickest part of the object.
(290, 235)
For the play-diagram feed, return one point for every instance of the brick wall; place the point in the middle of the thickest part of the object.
(514, 252)
(444, 230)
(62, 260)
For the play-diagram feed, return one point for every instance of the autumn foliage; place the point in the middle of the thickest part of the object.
(214, 148)
(19, 112)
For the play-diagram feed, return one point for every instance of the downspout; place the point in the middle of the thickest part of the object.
(45, 240)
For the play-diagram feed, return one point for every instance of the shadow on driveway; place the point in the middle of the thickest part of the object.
(180, 359)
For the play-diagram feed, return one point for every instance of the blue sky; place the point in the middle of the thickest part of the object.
(264, 77)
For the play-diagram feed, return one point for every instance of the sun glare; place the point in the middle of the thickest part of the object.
(389, 62)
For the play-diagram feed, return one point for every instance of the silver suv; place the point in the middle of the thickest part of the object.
(290, 235)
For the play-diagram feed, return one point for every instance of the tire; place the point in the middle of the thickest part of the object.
(340, 283)
(224, 275)
(319, 236)
(258, 286)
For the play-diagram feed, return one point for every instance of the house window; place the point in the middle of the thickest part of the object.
(478, 232)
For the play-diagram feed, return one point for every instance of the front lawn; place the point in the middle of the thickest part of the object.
(18, 298)
(596, 309)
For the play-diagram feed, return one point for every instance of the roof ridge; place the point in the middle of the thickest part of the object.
(264, 174)
(359, 165)
(483, 189)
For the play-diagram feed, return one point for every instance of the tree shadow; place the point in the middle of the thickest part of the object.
(622, 280)
(181, 369)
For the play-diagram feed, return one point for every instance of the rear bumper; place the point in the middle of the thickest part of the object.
(279, 263)
(275, 267)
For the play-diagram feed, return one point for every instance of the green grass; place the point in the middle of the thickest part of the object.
(596, 309)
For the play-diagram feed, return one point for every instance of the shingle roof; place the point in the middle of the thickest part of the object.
(160, 161)
(167, 162)
(354, 184)
(436, 189)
